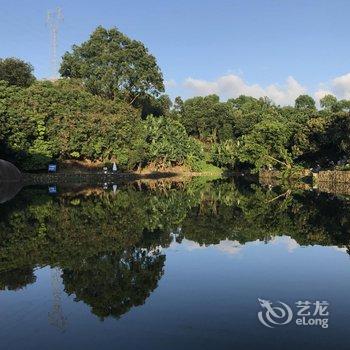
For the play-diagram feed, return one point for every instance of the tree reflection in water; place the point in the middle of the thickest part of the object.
(16, 279)
(111, 284)
(108, 245)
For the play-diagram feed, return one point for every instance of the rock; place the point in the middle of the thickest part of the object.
(8, 190)
(10, 181)
(8, 172)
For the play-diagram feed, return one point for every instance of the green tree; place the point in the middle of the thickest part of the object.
(266, 145)
(17, 279)
(345, 105)
(305, 102)
(112, 284)
(111, 64)
(156, 106)
(338, 134)
(178, 104)
(63, 120)
(207, 118)
(225, 153)
(16, 72)
(330, 103)
(309, 136)
(248, 111)
(168, 142)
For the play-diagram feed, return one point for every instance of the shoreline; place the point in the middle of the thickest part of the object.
(330, 181)
(99, 178)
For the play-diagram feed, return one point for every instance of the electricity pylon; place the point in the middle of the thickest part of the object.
(56, 316)
(53, 20)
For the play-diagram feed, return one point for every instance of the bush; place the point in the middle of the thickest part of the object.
(16, 72)
(62, 120)
(201, 166)
(225, 153)
(167, 142)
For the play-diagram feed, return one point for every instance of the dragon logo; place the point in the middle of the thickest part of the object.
(274, 315)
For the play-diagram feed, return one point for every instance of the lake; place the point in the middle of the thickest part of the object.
(186, 265)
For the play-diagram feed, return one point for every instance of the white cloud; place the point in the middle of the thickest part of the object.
(319, 94)
(231, 86)
(229, 247)
(290, 243)
(341, 86)
(225, 246)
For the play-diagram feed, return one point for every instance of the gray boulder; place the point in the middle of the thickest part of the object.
(10, 181)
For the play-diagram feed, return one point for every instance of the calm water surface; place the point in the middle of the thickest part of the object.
(167, 266)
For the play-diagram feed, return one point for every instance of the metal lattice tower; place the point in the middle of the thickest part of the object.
(56, 316)
(53, 20)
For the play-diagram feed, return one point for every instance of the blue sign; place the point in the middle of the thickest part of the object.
(52, 189)
(52, 168)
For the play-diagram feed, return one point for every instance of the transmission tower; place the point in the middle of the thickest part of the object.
(56, 316)
(53, 20)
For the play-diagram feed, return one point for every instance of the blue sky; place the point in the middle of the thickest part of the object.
(278, 48)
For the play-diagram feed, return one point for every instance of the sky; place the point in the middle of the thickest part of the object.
(274, 48)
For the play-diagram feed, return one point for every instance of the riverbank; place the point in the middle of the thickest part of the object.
(330, 181)
(98, 177)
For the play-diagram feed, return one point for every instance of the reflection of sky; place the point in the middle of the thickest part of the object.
(234, 247)
(227, 246)
(206, 299)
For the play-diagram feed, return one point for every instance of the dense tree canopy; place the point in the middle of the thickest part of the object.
(16, 72)
(168, 142)
(266, 145)
(114, 283)
(108, 107)
(111, 65)
(62, 120)
(207, 118)
(305, 102)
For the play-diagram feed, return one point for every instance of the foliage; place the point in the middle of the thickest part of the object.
(112, 262)
(305, 102)
(168, 142)
(111, 64)
(114, 283)
(157, 106)
(249, 111)
(265, 145)
(16, 72)
(109, 108)
(330, 103)
(207, 118)
(201, 166)
(62, 120)
(225, 154)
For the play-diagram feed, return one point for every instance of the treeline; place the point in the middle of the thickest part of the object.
(38, 229)
(109, 105)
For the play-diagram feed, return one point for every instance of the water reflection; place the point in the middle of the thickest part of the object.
(114, 249)
(111, 284)
(17, 278)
